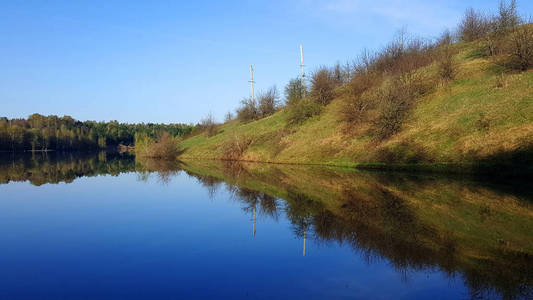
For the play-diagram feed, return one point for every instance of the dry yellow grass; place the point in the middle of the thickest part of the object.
(471, 118)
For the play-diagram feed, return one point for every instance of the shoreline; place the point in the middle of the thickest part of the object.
(495, 169)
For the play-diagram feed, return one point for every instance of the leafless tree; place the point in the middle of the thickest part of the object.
(209, 125)
(473, 26)
(322, 86)
(268, 102)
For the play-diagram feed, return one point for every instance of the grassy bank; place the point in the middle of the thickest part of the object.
(480, 121)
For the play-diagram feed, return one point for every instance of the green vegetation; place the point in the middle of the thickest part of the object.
(54, 167)
(66, 134)
(462, 103)
(473, 231)
(267, 103)
(164, 147)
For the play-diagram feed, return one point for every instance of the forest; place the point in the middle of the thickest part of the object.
(45, 133)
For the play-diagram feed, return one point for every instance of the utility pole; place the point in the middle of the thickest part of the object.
(252, 83)
(253, 228)
(302, 66)
(304, 242)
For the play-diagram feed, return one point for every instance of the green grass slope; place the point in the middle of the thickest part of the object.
(483, 117)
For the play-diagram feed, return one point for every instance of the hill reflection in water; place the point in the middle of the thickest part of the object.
(476, 231)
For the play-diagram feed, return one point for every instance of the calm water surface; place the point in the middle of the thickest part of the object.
(110, 227)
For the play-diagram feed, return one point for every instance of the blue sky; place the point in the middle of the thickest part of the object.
(172, 61)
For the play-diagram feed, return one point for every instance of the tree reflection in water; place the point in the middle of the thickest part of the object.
(476, 231)
(415, 223)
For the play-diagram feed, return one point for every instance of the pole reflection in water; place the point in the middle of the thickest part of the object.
(458, 238)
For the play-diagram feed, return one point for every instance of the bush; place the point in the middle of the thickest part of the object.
(268, 102)
(302, 111)
(234, 148)
(341, 74)
(521, 47)
(208, 125)
(507, 18)
(248, 110)
(228, 117)
(403, 55)
(294, 91)
(359, 99)
(322, 86)
(393, 107)
(473, 26)
(395, 100)
(354, 110)
(142, 143)
(166, 147)
(446, 67)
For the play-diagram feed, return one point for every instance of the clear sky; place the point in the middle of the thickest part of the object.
(174, 61)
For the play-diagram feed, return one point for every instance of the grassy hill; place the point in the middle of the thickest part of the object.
(481, 118)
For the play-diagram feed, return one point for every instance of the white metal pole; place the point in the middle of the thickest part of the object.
(302, 66)
(252, 83)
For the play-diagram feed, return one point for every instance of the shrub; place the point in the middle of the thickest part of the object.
(473, 26)
(501, 26)
(446, 67)
(507, 18)
(166, 147)
(341, 74)
(142, 143)
(302, 111)
(359, 100)
(268, 102)
(395, 100)
(209, 125)
(322, 86)
(393, 107)
(495, 43)
(234, 148)
(521, 47)
(354, 110)
(248, 110)
(228, 117)
(294, 91)
(403, 55)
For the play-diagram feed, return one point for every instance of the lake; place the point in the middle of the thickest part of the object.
(109, 226)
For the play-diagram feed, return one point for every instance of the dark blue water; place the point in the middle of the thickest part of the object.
(140, 235)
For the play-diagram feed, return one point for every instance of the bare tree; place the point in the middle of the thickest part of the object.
(228, 117)
(445, 56)
(522, 48)
(473, 26)
(268, 101)
(209, 125)
(248, 110)
(322, 86)
(508, 17)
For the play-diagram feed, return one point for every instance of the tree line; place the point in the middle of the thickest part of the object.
(44, 133)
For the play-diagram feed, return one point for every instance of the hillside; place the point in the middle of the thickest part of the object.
(483, 117)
